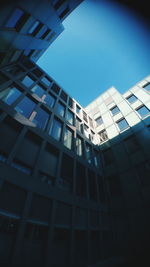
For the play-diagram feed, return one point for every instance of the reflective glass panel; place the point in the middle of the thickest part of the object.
(14, 18)
(56, 129)
(25, 106)
(68, 138)
(41, 118)
(61, 109)
(38, 90)
(143, 111)
(50, 100)
(9, 95)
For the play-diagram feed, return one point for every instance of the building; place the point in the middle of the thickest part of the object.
(74, 181)
(123, 126)
(29, 27)
(53, 200)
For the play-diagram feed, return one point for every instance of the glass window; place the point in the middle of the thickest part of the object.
(55, 88)
(25, 106)
(63, 96)
(103, 136)
(38, 90)
(143, 111)
(64, 13)
(14, 19)
(78, 109)
(115, 110)
(131, 99)
(56, 129)
(91, 122)
(27, 81)
(9, 95)
(71, 103)
(99, 121)
(46, 81)
(58, 4)
(86, 130)
(41, 118)
(147, 87)
(68, 138)
(50, 100)
(88, 151)
(61, 109)
(34, 27)
(43, 32)
(79, 148)
(122, 124)
(85, 116)
(70, 117)
(78, 124)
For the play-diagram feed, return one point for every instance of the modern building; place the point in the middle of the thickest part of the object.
(53, 204)
(74, 181)
(29, 27)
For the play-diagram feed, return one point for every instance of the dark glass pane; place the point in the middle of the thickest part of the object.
(27, 81)
(115, 110)
(41, 118)
(61, 109)
(56, 129)
(16, 15)
(38, 90)
(70, 117)
(68, 138)
(50, 100)
(131, 99)
(123, 124)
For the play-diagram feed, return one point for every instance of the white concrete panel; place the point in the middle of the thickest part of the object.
(124, 107)
(112, 131)
(107, 119)
(132, 119)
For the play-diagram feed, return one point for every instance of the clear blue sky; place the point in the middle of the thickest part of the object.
(104, 44)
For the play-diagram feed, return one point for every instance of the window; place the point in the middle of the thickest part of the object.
(35, 28)
(14, 70)
(38, 90)
(63, 14)
(91, 122)
(131, 99)
(78, 109)
(99, 121)
(103, 136)
(86, 130)
(147, 87)
(43, 32)
(143, 111)
(70, 117)
(71, 103)
(46, 81)
(88, 151)
(50, 100)
(17, 19)
(58, 4)
(56, 129)
(68, 138)
(79, 148)
(131, 144)
(27, 81)
(60, 109)
(122, 124)
(41, 118)
(78, 124)
(85, 116)
(10, 95)
(63, 96)
(55, 88)
(25, 106)
(21, 167)
(115, 110)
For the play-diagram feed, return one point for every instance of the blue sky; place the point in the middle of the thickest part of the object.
(104, 44)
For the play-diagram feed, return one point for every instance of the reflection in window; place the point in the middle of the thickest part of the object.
(79, 149)
(38, 90)
(61, 109)
(115, 110)
(50, 100)
(103, 136)
(9, 95)
(131, 99)
(46, 81)
(15, 18)
(56, 129)
(25, 107)
(122, 124)
(27, 81)
(147, 87)
(78, 109)
(41, 118)
(99, 121)
(88, 151)
(70, 117)
(35, 28)
(78, 124)
(143, 111)
(68, 138)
